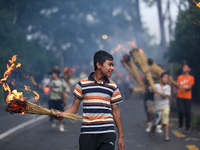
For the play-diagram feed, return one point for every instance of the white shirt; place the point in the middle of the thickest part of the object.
(160, 102)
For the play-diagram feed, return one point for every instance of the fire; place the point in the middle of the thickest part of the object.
(197, 3)
(37, 96)
(14, 95)
(18, 65)
(131, 43)
(118, 47)
(27, 88)
(25, 76)
(16, 106)
(14, 58)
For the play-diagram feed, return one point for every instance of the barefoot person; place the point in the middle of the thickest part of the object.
(100, 97)
(161, 102)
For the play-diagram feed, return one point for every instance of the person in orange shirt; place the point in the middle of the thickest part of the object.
(184, 97)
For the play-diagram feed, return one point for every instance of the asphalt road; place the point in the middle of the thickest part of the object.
(39, 135)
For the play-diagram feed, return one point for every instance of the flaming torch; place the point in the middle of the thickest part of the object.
(140, 59)
(129, 65)
(16, 103)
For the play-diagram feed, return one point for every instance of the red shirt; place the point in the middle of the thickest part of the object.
(185, 80)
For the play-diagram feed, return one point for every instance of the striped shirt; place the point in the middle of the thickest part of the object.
(97, 100)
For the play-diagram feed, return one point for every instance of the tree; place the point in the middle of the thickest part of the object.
(185, 46)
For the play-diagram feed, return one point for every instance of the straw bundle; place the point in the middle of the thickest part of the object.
(156, 71)
(140, 59)
(18, 106)
(138, 90)
(129, 65)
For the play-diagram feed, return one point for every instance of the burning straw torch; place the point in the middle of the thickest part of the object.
(129, 65)
(140, 59)
(17, 103)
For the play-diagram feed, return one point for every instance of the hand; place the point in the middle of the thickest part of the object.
(58, 115)
(121, 144)
(155, 91)
(185, 86)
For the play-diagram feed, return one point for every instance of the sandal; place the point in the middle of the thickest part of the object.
(167, 139)
(151, 135)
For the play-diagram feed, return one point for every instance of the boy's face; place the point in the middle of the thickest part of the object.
(107, 68)
(186, 69)
(54, 75)
(165, 79)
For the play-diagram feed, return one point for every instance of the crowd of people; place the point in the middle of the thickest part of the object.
(101, 96)
(157, 103)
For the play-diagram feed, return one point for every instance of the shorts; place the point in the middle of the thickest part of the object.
(56, 104)
(150, 105)
(162, 115)
(103, 141)
(165, 115)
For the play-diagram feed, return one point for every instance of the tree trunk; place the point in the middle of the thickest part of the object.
(137, 24)
(162, 47)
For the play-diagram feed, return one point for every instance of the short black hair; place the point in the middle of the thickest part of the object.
(164, 73)
(187, 65)
(101, 56)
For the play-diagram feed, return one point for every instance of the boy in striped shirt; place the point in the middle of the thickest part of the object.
(100, 98)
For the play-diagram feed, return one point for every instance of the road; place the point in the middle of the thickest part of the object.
(39, 134)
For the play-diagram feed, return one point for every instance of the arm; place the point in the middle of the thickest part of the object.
(74, 108)
(117, 119)
(161, 94)
(186, 87)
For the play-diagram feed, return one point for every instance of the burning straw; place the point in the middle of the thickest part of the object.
(129, 65)
(17, 106)
(156, 71)
(16, 102)
(140, 59)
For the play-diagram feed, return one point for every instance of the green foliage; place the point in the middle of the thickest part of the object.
(195, 123)
(185, 46)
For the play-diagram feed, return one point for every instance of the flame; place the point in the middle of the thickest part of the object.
(27, 88)
(16, 106)
(14, 95)
(10, 68)
(18, 65)
(14, 58)
(197, 3)
(118, 47)
(131, 43)
(196, 23)
(37, 96)
(25, 75)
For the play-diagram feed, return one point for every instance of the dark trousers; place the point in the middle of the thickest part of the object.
(184, 108)
(103, 141)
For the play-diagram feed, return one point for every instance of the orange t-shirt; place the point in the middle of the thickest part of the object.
(185, 80)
